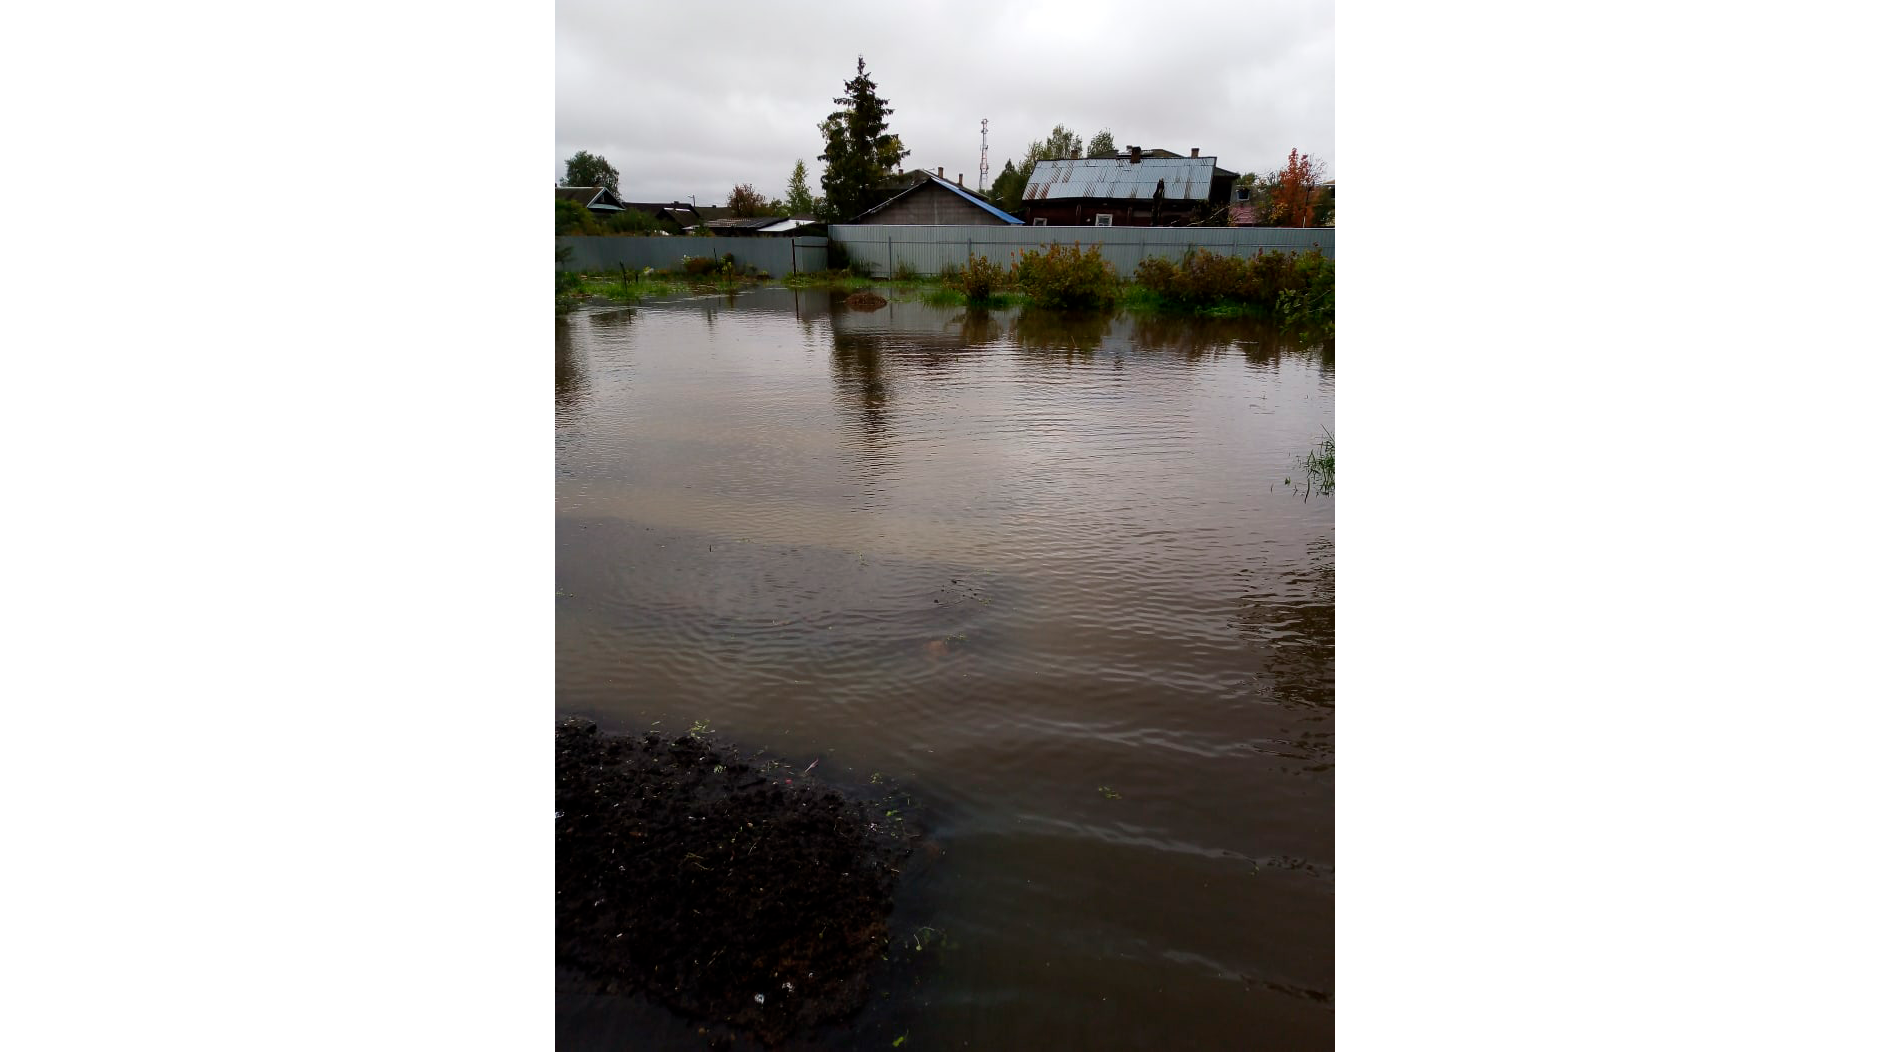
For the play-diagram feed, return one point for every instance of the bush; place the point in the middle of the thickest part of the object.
(905, 272)
(1310, 307)
(949, 274)
(701, 266)
(1067, 278)
(980, 280)
(1270, 281)
(576, 220)
(631, 221)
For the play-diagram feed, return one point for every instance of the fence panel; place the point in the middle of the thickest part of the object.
(928, 248)
(776, 255)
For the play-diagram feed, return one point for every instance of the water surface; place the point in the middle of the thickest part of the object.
(1061, 577)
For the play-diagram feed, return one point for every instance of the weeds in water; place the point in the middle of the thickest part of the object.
(699, 727)
(1108, 793)
(1321, 466)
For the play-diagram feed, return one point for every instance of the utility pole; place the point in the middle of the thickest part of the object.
(984, 151)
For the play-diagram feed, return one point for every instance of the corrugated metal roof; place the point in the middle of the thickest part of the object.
(959, 190)
(787, 224)
(1118, 179)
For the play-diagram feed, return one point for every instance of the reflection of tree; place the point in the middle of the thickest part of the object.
(1192, 336)
(573, 331)
(1291, 621)
(859, 375)
(1038, 329)
(574, 384)
(976, 327)
(1198, 337)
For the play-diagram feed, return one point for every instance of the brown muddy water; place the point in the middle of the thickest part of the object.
(1049, 573)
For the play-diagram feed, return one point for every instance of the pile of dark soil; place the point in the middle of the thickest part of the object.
(733, 891)
(866, 300)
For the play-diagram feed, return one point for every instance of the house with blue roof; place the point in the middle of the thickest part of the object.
(932, 201)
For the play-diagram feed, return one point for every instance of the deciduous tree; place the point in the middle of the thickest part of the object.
(588, 169)
(1295, 189)
(800, 200)
(1008, 188)
(1103, 144)
(1062, 142)
(746, 202)
(860, 152)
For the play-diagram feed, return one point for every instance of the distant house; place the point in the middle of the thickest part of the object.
(765, 226)
(599, 199)
(931, 201)
(1242, 209)
(1137, 188)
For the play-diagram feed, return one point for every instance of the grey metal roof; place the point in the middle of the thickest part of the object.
(954, 188)
(1116, 178)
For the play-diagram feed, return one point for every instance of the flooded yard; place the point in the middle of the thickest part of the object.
(1060, 577)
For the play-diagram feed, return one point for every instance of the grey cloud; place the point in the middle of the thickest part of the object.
(693, 98)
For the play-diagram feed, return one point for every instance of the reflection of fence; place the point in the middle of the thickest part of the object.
(927, 248)
(776, 255)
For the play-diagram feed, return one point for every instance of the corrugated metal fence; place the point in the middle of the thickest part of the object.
(927, 248)
(776, 255)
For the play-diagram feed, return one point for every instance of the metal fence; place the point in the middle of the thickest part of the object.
(928, 248)
(776, 255)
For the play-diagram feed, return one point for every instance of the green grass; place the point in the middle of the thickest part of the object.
(1321, 466)
(631, 287)
(829, 279)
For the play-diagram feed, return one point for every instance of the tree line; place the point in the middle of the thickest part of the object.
(862, 155)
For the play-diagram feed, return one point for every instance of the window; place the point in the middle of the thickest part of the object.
(1105, 220)
(1240, 194)
(1040, 221)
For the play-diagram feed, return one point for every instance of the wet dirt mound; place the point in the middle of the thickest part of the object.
(866, 300)
(733, 891)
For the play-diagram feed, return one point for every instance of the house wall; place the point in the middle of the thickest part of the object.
(1124, 213)
(776, 255)
(933, 205)
(926, 249)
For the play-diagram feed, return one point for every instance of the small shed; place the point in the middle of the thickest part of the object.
(931, 201)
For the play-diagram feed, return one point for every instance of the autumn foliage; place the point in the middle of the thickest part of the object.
(1296, 189)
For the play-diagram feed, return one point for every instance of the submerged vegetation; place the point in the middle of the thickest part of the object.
(1321, 466)
(1296, 290)
(628, 285)
(1293, 292)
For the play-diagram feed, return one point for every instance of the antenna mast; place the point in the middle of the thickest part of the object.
(984, 151)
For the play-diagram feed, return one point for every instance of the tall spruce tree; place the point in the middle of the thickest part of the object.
(860, 153)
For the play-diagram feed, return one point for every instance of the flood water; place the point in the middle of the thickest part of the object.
(1049, 573)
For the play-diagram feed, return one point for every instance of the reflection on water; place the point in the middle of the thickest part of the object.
(1048, 330)
(1013, 559)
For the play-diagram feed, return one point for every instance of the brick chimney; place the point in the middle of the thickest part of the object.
(961, 180)
(941, 171)
(1135, 155)
(1076, 152)
(1194, 151)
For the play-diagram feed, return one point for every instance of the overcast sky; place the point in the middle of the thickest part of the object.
(693, 98)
